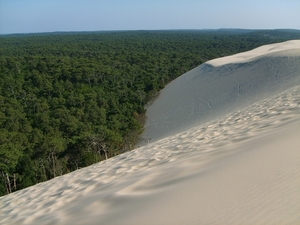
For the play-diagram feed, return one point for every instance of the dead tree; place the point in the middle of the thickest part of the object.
(5, 183)
(99, 146)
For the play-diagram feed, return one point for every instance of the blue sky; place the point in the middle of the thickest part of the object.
(27, 16)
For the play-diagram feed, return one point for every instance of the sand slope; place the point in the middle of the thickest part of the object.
(243, 167)
(220, 86)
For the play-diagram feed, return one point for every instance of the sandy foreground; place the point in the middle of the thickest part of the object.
(242, 167)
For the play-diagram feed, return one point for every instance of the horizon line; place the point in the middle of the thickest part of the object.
(134, 30)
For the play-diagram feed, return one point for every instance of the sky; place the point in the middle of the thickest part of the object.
(32, 16)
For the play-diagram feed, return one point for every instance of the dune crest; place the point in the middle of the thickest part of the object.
(255, 53)
(241, 167)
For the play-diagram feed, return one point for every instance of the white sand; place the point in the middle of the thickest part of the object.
(241, 168)
(255, 53)
(209, 92)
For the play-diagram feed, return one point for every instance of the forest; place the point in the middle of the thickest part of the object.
(69, 100)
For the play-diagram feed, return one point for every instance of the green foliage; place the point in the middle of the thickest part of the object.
(70, 100)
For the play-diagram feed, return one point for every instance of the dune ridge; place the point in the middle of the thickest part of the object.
(284, 47)
(239, 168)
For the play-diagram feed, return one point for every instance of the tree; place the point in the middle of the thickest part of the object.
(57, 144)
(10, 152)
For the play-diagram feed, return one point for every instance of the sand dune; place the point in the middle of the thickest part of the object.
(215, 88)
(239, 166)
